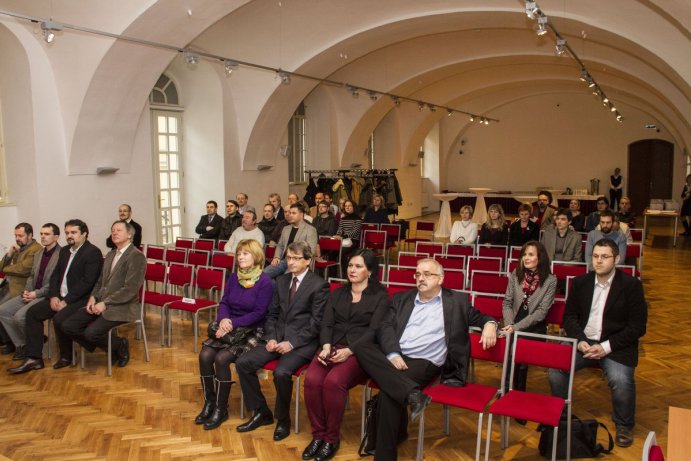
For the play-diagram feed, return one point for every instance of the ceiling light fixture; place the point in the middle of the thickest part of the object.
(372, 95)
(420, 105)
(542, 25)
(49, 28)
(449, 112)
(561, 47)
(531, 9)
(284, 76)
(191, 58)
(432, 107)
(229, 65)
(354, 91)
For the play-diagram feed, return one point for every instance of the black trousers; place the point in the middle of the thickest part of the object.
(251, 361)
(90, 330)
(394, 385)
(34, 327)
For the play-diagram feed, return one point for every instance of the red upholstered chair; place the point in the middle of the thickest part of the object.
(651, 450)
(454, 279)
(408, 259)
(368, 226)
(334, 247)
(489, 282)
(208, 288)
(205, 244)
(635, 250)
(424, 227)
(473, 396)
(453, 249)
(564, 269)
(451, 262)
(429, 248)
(393, 288)
(515, 252)
(489, 304)
(198, 257)
(375, 240)
(636, 234)
(511, 265)
(154, 252)
(555, 314)
(175, 255)
(221, 245)
(156, 290)
(483, 263)
(270, 252)
(271, 366)
(393, 234)
(224, 261)
(405, 275)
(184, 242)
(540, 408)
(492, 251)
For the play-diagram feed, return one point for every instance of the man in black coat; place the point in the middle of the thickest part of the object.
(292, 337)
(125, 214)
(425, 334)
(209, 226)
(78, 269)
(607, 313)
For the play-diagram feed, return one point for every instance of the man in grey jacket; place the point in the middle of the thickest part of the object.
(13, 312)
(561, 241)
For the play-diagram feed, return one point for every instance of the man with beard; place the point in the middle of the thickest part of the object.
(543, 210)
(606, 231)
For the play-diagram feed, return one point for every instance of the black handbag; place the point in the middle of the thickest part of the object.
(583, 439)
(369, 440)
(237, 337)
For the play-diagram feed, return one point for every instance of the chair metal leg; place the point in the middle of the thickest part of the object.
(163, 326)
(554, 443)
(479, 437)
(50, 337)
(297, 404)
(110, 352)
(489, 436)
(142, 329)
(242, 404)
(82, 354)
(362, 417)
(420, 438)
(195, 325)
(447, 420)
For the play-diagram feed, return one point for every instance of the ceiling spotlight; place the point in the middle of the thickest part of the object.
(605, 99)
(284, 76)
(485, 121)
(613, 108)
(372, 95)
(191, 58)
(542, 25)
(619, 117)
(432, 107)
(472, 118)
(449, 112)
(420, 105)
(584, 75)
(49, 28)
(396, 100)
(561, 46)
(354, 91)
(531, 9)
(229, 65)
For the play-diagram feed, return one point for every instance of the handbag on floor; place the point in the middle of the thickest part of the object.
(583, 439)
(369, 440)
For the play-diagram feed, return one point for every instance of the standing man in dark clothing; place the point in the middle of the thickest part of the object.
(125, 214)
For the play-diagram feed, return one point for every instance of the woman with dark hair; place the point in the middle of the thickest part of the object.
(494, 231)
(523, 229)
(350, 225)
(377, 213)
(352, 314)
(577, 218)
(240, 319)
(529, 295)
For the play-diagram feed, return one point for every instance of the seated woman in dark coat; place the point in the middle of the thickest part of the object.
(523, 229)
(494, 231)
(241, 315)
(352, 314)
(377, 213)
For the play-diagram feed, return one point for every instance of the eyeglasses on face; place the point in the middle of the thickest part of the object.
(425, 274)
(602, 257)
(294, 258)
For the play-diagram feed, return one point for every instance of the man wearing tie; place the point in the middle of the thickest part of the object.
(114, 299)
(292, 335)
(209, 224)
(78, 269)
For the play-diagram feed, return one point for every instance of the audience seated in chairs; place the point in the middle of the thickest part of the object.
(377, 213)
(494, 231)
(352, 314)
(561, 242)
(240, 320)
(523, 229)
(209, 225)
(349, 227)
(232, 221)
(268, 222)
(543, 210)
(577, 218)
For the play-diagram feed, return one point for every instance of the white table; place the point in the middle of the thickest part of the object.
(444, 225)
(660, 214)
(480, 212)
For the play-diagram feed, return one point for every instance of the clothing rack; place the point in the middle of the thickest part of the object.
(354, 173)
(354, 180)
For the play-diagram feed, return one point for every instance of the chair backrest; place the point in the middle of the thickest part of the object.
(154, 252)
(492, 251)
(198, 257)
(584, 236)
(222, 260)
(393, 288)
(430, 248)
(511, 265)
(393, 233)
(564, 269)
(453, 249)
(634, 250)
(368, 226)
(184, 242)
(454, 279)
(401, 275)
(426, 226)
(180, 276)
(483, 263)
(374, 240)
(489, 304)
(330, 244)
(221, 245)
(555, 314)
(205, 244)
(533, 349)
(636, 234)
(155, 272)
(651, 450)
(451, 262)
(515, 252)
(210, 278)
(408, 259)
(269, 252)
(496, 354)
(175, 255)
(334, 285)
(488, 282)
(631, 270)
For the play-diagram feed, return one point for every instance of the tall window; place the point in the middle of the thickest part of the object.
(4, 193)
(167, 145)
(297, 146)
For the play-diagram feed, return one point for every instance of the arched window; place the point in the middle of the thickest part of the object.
(166, 125)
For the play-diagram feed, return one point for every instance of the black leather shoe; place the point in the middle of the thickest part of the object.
(217, 417)
(62, 363)
(20, 354)
(282, 430)
(418, 402)
(312, 449)
(259, 419)
(28, 365)
(327, 451)
(123, 353)
(7, 349)
(205, 414)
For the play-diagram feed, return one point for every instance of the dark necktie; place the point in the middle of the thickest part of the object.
(293, 289)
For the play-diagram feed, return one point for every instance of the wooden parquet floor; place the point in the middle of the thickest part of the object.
(145, 411)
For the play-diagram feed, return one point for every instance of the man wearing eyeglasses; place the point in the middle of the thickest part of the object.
(298, 230)
(292, 336)
(424, 335)
(607, 313)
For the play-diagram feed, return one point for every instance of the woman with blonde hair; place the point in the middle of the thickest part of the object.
(464, 232)
(239, 326)
(494, 231)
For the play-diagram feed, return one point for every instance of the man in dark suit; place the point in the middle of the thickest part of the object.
(78, 269)
(114, 299)
(425, 334)
(607, 313)
(209, 224)
(125, 214)
(292, 335)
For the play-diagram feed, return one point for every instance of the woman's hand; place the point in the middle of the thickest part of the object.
(341, 355)
(508, 329)
(323, 356)
(225, 326)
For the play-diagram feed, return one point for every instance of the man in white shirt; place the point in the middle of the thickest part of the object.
(248, 230)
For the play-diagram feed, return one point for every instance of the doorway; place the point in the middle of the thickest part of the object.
(650, 167)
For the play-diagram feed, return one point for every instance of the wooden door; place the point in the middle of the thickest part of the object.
(650, 168)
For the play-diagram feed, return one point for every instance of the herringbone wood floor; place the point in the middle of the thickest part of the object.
(145, 410)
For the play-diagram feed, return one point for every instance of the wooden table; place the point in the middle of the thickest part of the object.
(678, 440)
(661, 214)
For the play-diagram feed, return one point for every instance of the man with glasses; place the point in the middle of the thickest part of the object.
(424, 335)
(292, 336)
(606, 230)
(607, 313)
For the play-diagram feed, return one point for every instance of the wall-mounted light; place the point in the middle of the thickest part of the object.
(264, 167)
(103, 170)
(284, 76)
(191, 58)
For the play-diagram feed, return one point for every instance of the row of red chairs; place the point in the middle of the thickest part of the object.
(194, 257)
